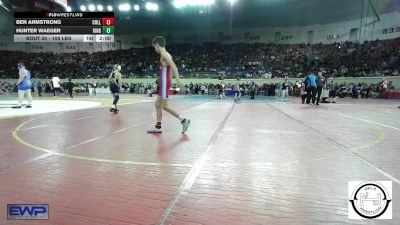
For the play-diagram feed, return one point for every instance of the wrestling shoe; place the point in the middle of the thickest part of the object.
(154, 130)
(185, 125)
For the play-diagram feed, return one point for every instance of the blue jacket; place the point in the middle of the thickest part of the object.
(310, 81)
(320, 81)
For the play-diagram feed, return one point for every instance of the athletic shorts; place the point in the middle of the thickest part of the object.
(163, 90)
(164, 82)
(114, 88)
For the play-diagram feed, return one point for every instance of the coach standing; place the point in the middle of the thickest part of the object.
(70, 88)
(311, 85)
(24, 86)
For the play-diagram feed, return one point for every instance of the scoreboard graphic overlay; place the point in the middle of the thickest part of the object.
(64, 27)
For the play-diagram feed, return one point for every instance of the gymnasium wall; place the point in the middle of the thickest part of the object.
(368, 80)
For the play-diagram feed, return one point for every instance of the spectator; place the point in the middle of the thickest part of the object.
(372, 58)
(285, 90)
(56, 86)
(94, 86)
(70, 88)
(320, 85)
(39, 87)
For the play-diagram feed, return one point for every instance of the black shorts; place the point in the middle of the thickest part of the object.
(57, 89)
(114, 88)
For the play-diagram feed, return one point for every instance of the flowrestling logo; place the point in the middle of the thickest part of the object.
(370, 200)
(27, 212)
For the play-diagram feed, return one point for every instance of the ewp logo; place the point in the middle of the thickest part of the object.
(27, 211)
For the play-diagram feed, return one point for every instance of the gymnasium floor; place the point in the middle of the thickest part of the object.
(261, 162)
